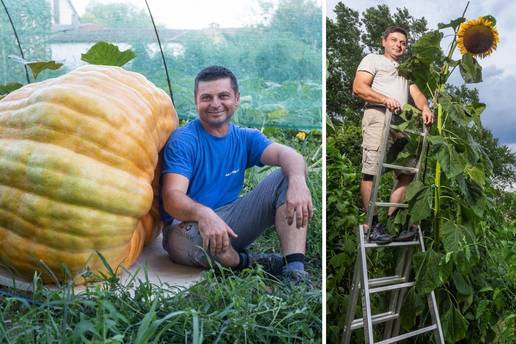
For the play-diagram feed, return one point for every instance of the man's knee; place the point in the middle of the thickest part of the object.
(184, 244)
(280, 181)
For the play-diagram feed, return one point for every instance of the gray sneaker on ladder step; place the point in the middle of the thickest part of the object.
(378, 235)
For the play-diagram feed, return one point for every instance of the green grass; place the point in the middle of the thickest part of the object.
(224, 307)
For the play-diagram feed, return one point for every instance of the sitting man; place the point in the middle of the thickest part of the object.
(204, 164)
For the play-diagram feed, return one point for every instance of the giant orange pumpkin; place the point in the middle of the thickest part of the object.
(78, 156)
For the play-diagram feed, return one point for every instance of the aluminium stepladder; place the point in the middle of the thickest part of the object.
(397, 284)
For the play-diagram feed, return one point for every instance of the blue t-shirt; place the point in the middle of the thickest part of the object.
(214, 166)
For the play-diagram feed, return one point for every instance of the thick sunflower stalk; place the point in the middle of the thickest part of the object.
(454, 202)
(474, 38)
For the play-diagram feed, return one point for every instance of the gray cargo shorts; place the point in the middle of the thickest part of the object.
(248, 216)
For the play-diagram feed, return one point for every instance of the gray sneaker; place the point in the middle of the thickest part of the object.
(296, 278)
(407, 234)
(379, 235)
(272, 263)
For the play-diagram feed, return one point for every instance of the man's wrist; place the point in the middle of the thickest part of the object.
(201, 212)
(384, 100)
(296, 179)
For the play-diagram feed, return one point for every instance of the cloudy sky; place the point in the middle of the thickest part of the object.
(499, 69)
(196, 14)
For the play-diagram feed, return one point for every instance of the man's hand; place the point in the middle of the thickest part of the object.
(428, 116)
(214, 232)
(392, 104)
(298, 202)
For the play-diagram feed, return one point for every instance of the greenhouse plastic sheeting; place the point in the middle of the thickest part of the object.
(277, 61)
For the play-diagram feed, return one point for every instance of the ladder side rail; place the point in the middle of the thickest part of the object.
(350, 313)
(366, 301)
(379, 168)
(432, 303)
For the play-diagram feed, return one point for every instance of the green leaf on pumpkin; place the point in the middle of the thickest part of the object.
(9, 87)
(37, 67)
(103, 53)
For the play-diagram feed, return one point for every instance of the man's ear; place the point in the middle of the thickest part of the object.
(237, 97)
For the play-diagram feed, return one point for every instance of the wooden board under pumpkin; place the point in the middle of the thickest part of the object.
(153, 257)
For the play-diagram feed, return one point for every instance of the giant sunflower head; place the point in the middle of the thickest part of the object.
(478, 37)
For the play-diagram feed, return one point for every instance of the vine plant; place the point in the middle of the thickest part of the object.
(452, 200)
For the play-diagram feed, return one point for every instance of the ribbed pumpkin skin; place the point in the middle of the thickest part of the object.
(78, 156)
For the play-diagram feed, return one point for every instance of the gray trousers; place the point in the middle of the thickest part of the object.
(248, 216)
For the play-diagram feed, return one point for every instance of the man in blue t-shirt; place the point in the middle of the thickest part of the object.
(203, 171)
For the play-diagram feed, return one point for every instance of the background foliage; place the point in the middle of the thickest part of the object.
(278, 62)
(471, 261)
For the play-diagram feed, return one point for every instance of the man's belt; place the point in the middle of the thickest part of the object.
(374, 106)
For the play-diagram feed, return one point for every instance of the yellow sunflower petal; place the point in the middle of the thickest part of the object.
(478, 37)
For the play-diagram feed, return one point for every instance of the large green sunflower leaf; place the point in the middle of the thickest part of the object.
(103, 53)
(453, 24)
(476, 174)
(413, 189)
(452, 236)
(420, 206)
(419, 66)
(470, 70)
(429, 274)
(454, 325)
(408, 310)
(451, 161)
(462, 284)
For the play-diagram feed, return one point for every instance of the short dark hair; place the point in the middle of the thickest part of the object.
(212, 73)
(392, 29)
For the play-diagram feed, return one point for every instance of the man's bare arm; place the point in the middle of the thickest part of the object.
(422, 104)
(293, 165)
(214, 231)
(362, 88)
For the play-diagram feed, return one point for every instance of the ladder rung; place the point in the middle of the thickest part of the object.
(401, 168)
(391, 287)
(392, 244)
(388, 280)
(408, 335)
(376, 319)
(388, 204)
(412, 132)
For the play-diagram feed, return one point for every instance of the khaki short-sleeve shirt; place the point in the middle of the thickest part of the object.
(385, 77)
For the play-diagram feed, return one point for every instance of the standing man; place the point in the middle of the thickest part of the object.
(204, 165)
(377, 82)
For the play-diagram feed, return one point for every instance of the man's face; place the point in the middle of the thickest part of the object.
(216, 102)
(395, 45)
